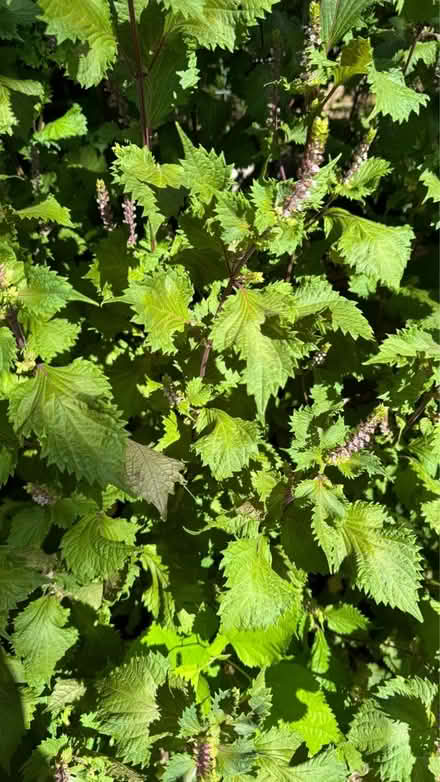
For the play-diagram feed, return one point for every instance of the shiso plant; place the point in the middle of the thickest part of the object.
(219, 385)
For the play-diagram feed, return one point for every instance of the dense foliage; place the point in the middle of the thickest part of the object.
(219, 381)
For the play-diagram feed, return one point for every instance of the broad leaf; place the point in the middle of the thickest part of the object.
(42, 639)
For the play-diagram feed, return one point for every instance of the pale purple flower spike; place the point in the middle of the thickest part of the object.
(129, 209)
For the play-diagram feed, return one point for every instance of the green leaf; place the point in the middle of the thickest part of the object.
(136, 170)
(178, 766)
(205, 173)
(327, 767)
(432, 183)
(29, 527)
(393, 97)
(328, 512)
(48, 211)
(215, 24)
(373, 732)
(49, 338)
(356, 56)
(42, 639)
(234, 215)
(8, 348)
(17, 580)
(345, 618)
(127, 707)
(18, 703)
(407, 344)
(161, 303)
(150, 475)
(387, 560)
(90, 23)
(270, 358)
(258, 648)
(299, 703)
(431, 512)
(97, 546)
(25, 86)
(256, 594)
(338, 17)
(72, 123)
(66, 691)
(365, 180)
(60, 401)
(7, 116)
(230, 444)
(45, 292)
(380, 251)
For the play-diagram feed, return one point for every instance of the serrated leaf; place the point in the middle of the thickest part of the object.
(72, 123)
(178, 766)
(268, 646)
(431, 512)
(25, 86)
(98, 546)
(150, 475)
(90, 23)
(66, 691)
(393, 97)
(366, 179)
(256, 595)
(41, 638)
(298, 702)
(407, 344)
(328, 512)
(432, 183)
(127, 707)
(17, 580)
(7, 116)
(205, 173)
(48, 211)
(49, 338)
(45, 292)
(8, 348)
(234, 215)
(161, 303)
(136, 170)
(339, 16)
(345, 618)
(387, 560)
(315, 295)
(18, 703)
(326, 767)
(217, 23)
(270, 358)
(380, 251)
(229, 446)
(356, 56)
(79, 430)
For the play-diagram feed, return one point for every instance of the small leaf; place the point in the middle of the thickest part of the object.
(229, 446)
(150, 475)
(48, 211)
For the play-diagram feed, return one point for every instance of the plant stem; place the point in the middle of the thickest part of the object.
(411, 51)
(14, 325)
(146, 131)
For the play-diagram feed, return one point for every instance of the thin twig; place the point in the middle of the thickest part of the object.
(411, 51)
(146, 131)
(14, 325)
(227, 291)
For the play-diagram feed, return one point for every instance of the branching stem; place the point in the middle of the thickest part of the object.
(146, 130)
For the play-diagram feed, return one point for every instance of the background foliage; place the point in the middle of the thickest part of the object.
(219, 385)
